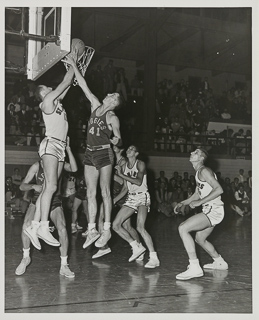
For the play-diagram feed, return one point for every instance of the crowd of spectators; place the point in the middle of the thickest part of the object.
(237, 195)
(183, 113)
(23, 118)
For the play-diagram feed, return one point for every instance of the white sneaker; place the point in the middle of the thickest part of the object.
(193, 271)
(136, 252)
(101, 252)
(104, 238)
(84, 234)
(73, 228)
(141, 257)
(152, 263)
(22, 266)
(92, 236)
(78, 227)
(32, 234)
(45, 235)
(219, 265)
(65, 271)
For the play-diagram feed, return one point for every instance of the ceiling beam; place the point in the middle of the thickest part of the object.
(209, 24)
(117, 42)
(176, 40)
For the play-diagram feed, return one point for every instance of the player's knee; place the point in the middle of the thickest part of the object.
(91, 194)
(182, 228)
(62, 231)
(141, 229)
(51, 188)
(115, 226)
(200, 240)
(105, 193)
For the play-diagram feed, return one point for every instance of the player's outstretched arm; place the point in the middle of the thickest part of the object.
(82, 83)
(61, 89)
(26, 184)
(72, 165)
(114, 122)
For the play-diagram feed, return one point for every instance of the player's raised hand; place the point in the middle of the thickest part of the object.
(177, 208)
(115, 140)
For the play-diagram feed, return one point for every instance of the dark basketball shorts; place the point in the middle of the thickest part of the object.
(55, 203)
(99, 158)
(81, 195)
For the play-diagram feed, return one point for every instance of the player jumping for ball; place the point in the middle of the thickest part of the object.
(103, 130)
(52, 153)
(207, 195)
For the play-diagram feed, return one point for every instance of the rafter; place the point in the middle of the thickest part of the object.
(117, 42)
(176, 40)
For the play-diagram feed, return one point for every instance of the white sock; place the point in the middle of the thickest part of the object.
(73, 224)
(26, 252)
(35, 224)
(218, 258)
(106, 225)
(134, 244)
(91, 226)
(153, 255)
(44, 224)
(194, 261)
(63, 260)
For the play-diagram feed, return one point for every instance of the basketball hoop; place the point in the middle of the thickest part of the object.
(82, 62)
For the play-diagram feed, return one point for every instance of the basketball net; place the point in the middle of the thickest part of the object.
(82, 62)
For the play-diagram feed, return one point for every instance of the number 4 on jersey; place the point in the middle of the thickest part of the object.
(92, 131)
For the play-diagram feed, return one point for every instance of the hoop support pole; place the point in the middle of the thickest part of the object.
(33, 36)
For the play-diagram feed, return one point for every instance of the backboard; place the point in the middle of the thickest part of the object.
(52, 40)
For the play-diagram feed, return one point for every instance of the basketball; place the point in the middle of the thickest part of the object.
(79, 45)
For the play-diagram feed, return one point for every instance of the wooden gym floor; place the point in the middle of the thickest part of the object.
(111, 284)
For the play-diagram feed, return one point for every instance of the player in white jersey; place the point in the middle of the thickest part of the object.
(52, 153)
(138, 200)
(207, 195)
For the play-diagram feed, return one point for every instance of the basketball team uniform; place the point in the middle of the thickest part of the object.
(68, 186)
(98, 151)
(56, 200)
(56, 133)
(213, 209)
(117, 187)
(81, 190)
(137, 195)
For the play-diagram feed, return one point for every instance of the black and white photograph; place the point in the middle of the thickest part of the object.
(129, 132)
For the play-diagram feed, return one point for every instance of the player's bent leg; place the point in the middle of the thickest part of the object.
(26, 260)
(201, 238)
(124, 214)
(57, 216)
(30, 230)
(195, 223)
(52, 169)
(141, 219)
(105, 180)
(91, 180)
(134, 234)
(76, 204)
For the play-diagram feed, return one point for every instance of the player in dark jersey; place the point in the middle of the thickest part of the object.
(56, 215)
(103, 130)
(80, 198)
(208, 195)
